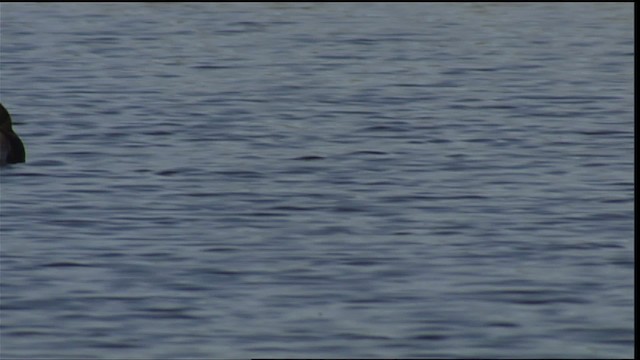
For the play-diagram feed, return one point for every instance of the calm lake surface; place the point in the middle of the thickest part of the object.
(344, 180)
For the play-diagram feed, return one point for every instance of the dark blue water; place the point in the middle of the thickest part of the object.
(318, 180)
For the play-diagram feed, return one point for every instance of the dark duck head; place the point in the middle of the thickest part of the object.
(11, 147)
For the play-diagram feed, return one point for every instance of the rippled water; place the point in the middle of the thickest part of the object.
(318, 180)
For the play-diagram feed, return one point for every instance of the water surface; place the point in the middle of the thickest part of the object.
(318, 180)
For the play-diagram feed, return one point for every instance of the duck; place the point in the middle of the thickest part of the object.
(11, 147)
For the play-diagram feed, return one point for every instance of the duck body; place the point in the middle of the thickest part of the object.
(11, 147)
